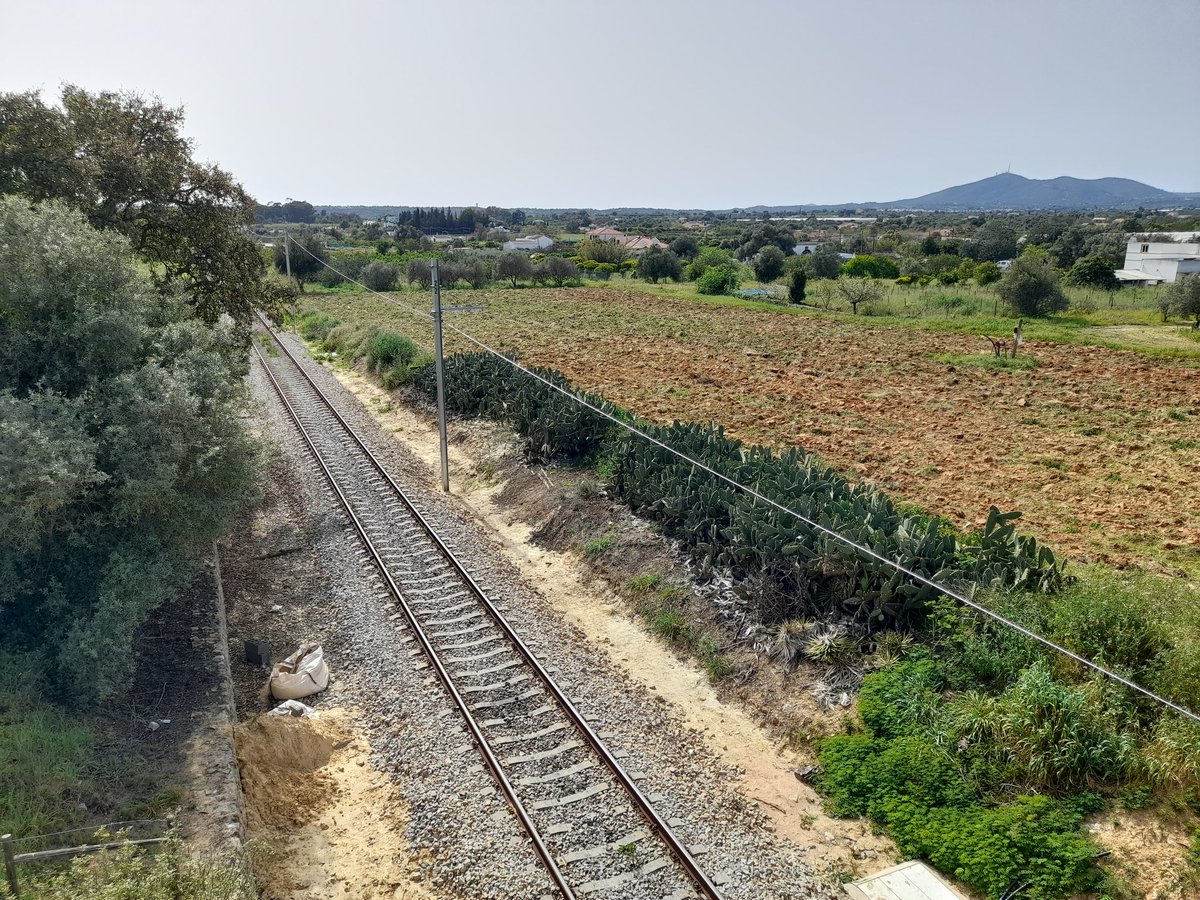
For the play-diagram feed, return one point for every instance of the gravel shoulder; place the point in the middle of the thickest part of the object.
(294, 573)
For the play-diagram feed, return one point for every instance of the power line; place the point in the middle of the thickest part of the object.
(841, 538)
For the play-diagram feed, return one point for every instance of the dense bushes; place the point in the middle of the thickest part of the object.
(120, 442)
(922, 785)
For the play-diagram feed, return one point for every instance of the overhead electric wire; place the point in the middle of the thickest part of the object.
(817, 526)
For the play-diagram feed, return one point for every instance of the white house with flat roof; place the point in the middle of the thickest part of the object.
(529, 242)
(1158, 261)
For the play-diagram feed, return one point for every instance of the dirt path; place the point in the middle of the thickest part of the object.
(767, 769)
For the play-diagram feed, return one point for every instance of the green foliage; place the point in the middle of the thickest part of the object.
(1183, 298)
(987, 272)
(685, 247)
(552, 425)
(796, 286)
(899, 700)
(867, 266)
(515, 266)
(171, 871)
(121, 159)
(722, 279)
(315, 326)
(380, 276)
(1094, 272)
(707, 258)
(387, 350)
(304, 253)
(1030, 287)
(43, 750)
(599, 251)
(120, 440)
(768, 265)
(655, 264)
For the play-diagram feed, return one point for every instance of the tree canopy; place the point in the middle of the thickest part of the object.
(1183, 298)
(1030, 286)
(122, 161)
(768, 265)
(655, 264)
(121, 452)
(1095, 272)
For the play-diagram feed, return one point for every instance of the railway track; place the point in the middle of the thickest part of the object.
(593, 829)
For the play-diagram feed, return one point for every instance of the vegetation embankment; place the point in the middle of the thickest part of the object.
(978, 749)
(121, 444)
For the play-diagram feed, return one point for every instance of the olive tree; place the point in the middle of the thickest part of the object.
(1030, 286)
(303, 254)
(515, 266)
(1183, 299)
(655, 264)
(380, 276)
(121, 445)
(768, 265)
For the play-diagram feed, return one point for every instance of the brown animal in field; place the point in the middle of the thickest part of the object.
(1000, 345)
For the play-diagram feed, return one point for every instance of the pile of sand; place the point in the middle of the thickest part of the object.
(326, 824)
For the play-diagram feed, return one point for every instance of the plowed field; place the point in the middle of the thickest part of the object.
(1099, 449)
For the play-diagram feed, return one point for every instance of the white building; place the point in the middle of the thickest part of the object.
(806, 247)
(529, 242)
(1156, 262)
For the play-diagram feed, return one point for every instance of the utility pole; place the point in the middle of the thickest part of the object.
(439, 364)
(439, 368)
(287, 255)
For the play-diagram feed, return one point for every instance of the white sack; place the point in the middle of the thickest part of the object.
(301, 674)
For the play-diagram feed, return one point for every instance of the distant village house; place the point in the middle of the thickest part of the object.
(532, 242)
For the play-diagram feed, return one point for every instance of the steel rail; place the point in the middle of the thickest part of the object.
(460, 702)
(673, 843)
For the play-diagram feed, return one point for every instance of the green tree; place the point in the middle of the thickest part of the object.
(515, 266)
(655, 264)
(556, 269)
(866, 266)
(121, 447)
(1093, 272)
(720, 279)
(122, 160)
(706, 259)
(995, 240)
(685, 247)
(379, 276)
(768, 265)
(823, 263)
(987, 272)
(304, 254)
(1183, 299)
(796, 285)
(600, 251)
(1030, 286)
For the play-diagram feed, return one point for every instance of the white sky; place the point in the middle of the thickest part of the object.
(651, 103)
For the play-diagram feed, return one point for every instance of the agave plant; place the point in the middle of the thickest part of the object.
(789, 640)
(833, 646)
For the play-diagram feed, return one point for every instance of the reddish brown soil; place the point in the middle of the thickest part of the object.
(1082, 445)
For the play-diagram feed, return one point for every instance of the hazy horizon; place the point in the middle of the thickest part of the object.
(670, 104)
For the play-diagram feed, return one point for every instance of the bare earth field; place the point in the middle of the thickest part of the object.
(1099, 448)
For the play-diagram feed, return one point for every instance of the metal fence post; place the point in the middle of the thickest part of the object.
(439, 371)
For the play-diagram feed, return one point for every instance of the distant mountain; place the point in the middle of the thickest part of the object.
(1009, 191)
(1000, 192)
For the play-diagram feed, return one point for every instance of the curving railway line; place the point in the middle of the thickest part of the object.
(593, 829)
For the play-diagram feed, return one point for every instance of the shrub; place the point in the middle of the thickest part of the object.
(898, 700)
(722, 279)
(867, 266)
(1030, 287)
(344, 340)
(417, 272)
(768, 265)
(315, 326)
(987, 272)
(388, 350)
(380, 276)
(706, 259)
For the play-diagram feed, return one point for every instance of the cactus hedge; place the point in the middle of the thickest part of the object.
(806, 571)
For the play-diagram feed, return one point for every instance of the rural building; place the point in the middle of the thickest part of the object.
(606, 234)
(639, 242)
(806, 247)
(529, 242)
(1157, 262)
